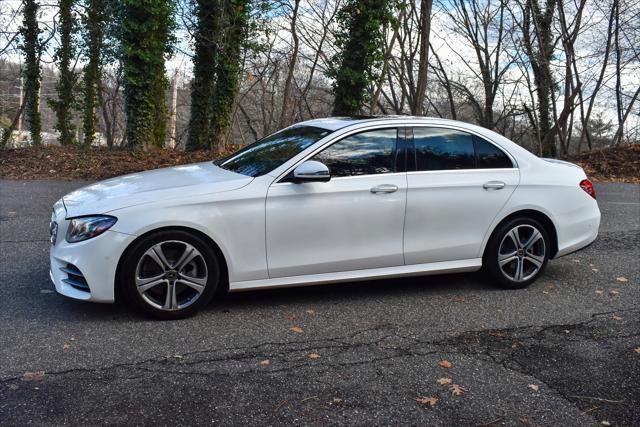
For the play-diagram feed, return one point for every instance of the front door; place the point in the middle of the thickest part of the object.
(352, 222)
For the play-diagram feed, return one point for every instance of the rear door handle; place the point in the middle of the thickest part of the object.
(385, 188)
(493, 185)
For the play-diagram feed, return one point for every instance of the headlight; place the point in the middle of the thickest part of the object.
(87, 227)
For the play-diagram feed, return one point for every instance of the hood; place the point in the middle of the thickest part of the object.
(146, 187)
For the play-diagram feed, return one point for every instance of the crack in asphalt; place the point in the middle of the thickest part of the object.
(405, 346)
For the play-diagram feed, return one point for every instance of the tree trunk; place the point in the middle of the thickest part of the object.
(417, 108)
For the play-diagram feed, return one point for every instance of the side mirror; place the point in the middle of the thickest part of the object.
(311, 171)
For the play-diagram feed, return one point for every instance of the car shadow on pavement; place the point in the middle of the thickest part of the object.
(359, 291)
(56, 307)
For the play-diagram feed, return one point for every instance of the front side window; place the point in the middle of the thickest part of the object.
(265, 155)
(367, 153)
(443, 149)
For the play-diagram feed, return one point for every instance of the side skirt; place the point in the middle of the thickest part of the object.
(358, 275)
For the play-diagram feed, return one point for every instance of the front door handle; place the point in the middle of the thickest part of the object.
(385, 188)
(493, 185)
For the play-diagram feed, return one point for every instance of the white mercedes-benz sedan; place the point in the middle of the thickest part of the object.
(322, 201)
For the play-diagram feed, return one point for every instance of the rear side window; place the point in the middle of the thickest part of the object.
(366, 153)
(489, 156)
(443, 149)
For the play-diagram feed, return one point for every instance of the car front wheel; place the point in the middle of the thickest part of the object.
(170, 274)
(517, 253)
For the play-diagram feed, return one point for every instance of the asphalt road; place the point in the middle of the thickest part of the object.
(565, 351)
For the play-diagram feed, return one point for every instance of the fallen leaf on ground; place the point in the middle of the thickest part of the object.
(265, 362)
(605, 423)
(616, 317)
(337, 401)
(310, 312)
(637, 350)
(550, 285)
(577, 261)
(614, 292)
(296, 329)
(457, 390)
(445, 364)
(33, 376)
(458, 299)
(290, 316)
(622, 279)
(534, 387)
(444, 381)
(432, 401)
(66, 346)
(599, 291)
(314, 356)
(595, 270)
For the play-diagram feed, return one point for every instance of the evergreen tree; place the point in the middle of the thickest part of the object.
(146, 36)
(207, 33)
(94, 27)
(67, 80)
(228, 69)
(31, 47)
(360, 51)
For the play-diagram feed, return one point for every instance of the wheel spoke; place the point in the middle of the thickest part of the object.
(189, 254)
(156, 254)
(145, 284)
(535, 259)
(519, 270)
(515, 237)
(170, 302)
(533, 239)
(506, 259)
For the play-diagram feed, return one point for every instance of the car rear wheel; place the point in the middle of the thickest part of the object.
(517, 253)
(170, 274)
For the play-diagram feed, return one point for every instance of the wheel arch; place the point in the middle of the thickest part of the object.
(223, 286)
(539, 216)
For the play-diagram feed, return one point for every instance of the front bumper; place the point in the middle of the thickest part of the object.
(97, 260)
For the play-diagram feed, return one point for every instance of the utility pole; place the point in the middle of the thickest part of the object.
(171, 143)
(20, 111)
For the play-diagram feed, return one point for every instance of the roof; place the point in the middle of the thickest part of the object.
(335, 123)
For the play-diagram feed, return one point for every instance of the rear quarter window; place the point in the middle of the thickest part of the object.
(488, 156)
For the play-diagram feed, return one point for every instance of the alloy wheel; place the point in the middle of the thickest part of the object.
(171, 275)
(521, 253)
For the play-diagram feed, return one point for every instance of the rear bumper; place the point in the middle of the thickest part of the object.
(578, 234)
(97, 260)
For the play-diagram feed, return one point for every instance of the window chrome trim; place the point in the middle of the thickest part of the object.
(449, 171)
(339, 178)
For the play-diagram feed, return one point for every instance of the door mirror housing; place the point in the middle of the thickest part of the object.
(311, 171)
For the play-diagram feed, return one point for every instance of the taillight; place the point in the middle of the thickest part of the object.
(587, 186)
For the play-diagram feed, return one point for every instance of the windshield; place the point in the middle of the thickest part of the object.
(268, 153)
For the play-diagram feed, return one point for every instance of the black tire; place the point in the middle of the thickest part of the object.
(174, 238)
(490, 261)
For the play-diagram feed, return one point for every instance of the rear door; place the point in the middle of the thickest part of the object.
(457, 184)
(352, 222)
